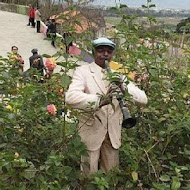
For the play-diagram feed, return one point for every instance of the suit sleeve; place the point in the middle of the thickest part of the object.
(137, 94)
(76, 95)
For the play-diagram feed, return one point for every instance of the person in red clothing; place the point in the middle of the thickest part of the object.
(31, 16)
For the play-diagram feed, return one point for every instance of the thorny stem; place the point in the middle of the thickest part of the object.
(156, 175)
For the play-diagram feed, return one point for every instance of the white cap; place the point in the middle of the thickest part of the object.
(103, 42)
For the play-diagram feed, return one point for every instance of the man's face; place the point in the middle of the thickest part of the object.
(103, 53)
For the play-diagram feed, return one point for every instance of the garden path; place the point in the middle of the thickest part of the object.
(14, 31)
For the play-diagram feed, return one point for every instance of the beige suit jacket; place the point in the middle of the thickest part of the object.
(86, 87)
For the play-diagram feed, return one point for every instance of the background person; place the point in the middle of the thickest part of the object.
(16, 59)
(36, 61)
(100, 125)
(38, 19)
(29, 19)
(48, 23)
(32, 16)
(53, 31)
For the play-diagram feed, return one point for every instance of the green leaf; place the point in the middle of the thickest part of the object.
(185, 168)
(69, 39)
(11, 116)
(65, 81)
(153, 72)
(161, 119)
(42, 167)
(165, 178)
(152, 5)
(90, 187)
(67, 170)
(113, 8)
(162, 186)
(123, 6)
(29, 173)
(175, 183)
(46, 56)
(145, 7)
(134, 176)
(3, 145)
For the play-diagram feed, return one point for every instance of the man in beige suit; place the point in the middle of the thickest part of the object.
(100, 122)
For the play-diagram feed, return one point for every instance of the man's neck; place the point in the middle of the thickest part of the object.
(101, 65)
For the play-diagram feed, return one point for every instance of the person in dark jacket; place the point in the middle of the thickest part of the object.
(48, 23)
(52, 31)
(36, 61)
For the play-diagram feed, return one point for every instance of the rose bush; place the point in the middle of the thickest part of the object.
(40, 146)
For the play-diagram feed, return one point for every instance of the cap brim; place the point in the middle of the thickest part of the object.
(104, 44)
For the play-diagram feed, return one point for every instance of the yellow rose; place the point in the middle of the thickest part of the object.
(9, 107)
(118, 67)
(185, 95)
(132, 75)
(20, 130)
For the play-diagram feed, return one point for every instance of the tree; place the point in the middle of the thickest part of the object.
(183, 26)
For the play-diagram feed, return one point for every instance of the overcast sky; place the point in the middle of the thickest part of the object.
(160, 4)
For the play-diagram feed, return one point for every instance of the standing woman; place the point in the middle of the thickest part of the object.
(38, 19)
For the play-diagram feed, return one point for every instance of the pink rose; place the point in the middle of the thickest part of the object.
(50, 63)
(20, 60)
(51, 109)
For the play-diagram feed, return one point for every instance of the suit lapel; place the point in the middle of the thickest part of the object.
(97, 76)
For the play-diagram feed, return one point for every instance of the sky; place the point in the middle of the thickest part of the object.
(160, 4)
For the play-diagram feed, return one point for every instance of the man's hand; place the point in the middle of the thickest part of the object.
(117, 82)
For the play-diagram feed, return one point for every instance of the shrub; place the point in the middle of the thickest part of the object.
(42, 150)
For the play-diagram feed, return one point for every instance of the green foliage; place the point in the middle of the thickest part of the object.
(40, 150)
(155, 153)
(183, 26)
